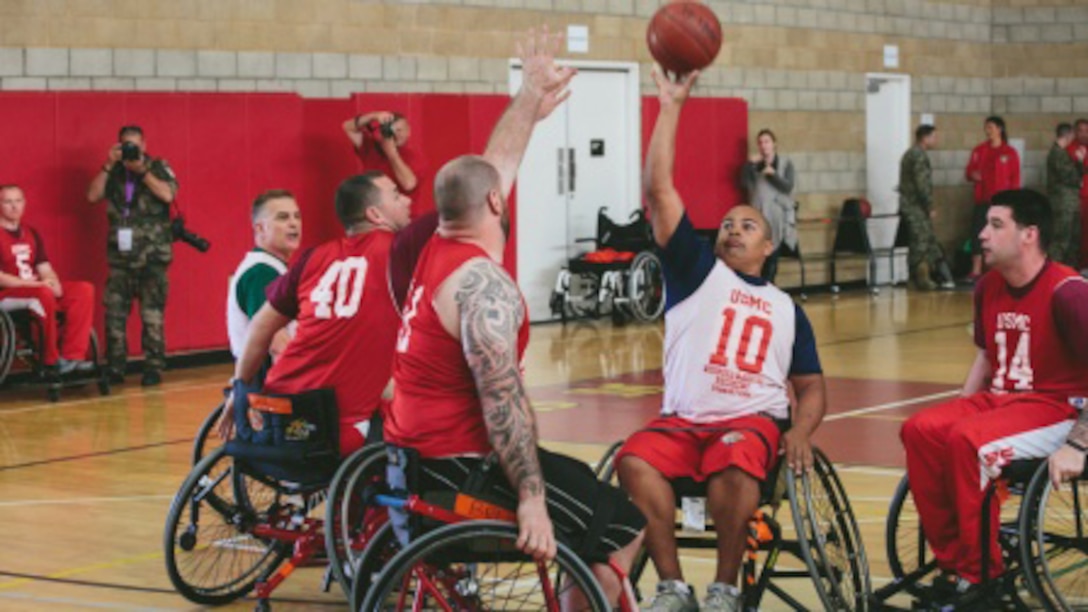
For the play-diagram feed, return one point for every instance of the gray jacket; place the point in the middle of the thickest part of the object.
(772, 195)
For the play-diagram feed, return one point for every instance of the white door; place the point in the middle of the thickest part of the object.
(887, 138)
(584, 157)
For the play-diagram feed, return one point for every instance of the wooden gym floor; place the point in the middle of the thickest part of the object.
(85, 483)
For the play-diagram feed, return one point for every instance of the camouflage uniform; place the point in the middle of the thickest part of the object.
(915, 204)
(140, 272)
(1063, 176)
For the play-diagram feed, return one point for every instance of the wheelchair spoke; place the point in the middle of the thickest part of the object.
(1061, 546)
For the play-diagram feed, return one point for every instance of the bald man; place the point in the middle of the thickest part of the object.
(459, 393)
(733, 344)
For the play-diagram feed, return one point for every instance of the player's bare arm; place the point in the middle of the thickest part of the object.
(811, 406)
(490, 315)
(666, 207)
(543, 88)
(976, 377)
(262, 330)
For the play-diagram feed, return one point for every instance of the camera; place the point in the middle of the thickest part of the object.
(182, 233)
(381, 131)
(130, 151)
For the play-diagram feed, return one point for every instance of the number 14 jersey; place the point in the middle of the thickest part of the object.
(1033, 335)
(731, 341)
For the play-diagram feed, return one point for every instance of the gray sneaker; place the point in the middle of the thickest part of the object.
(721, 597)
(673, 596)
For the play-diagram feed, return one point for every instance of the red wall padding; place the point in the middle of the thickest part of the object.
(226, 148)
(712, 146)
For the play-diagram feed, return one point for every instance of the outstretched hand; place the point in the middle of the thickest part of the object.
(541, 76)
(673, 89)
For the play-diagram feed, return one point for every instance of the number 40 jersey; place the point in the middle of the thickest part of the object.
(339, 292)
(731, 340)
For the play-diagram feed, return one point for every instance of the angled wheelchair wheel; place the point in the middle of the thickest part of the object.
(646, 287)
(350, 526)
(909, 556)
(200, 442)
(476, 566)
(1054, 548)
(7, 345)
(829, 538)
(212, 556)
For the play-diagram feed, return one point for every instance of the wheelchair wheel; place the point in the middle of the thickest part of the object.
(212, 557)
(646, 287)
(909, 555)
(1054, 548)
(7, 345)
(476, 566)
(202, 434)
(351, 527)
(829, 538)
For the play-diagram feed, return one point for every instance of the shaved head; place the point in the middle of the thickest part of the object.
(462, 186)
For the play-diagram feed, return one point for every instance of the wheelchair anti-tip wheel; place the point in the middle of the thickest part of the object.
(829, 538)
(476, 566)
(212, 557)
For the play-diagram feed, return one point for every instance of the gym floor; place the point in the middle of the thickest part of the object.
(86, 482)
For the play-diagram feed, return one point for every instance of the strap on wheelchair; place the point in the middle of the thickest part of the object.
(401, 475)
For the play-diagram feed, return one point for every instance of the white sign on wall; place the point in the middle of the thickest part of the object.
(577, 39)
(891, 56)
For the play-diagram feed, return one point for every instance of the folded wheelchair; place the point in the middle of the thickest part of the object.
(621, 277)
(827, 544)
(1043, 541)
(21, 342)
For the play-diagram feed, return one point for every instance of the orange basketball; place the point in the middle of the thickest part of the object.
(684, 36)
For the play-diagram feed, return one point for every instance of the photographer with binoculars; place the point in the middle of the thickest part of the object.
(139, 191)
(379, 139)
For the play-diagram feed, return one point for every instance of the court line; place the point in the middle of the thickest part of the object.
(892, 405)
(903, 332)
(116, 451)
(141, 589)
(81, 603)
(82, 500)
(106, 399)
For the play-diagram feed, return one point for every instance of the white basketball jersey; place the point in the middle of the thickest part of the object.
(237, 321)
(728, 350)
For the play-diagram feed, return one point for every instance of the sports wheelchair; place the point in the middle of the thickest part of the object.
(828, 541)
(622, 275)
(1043, 540)
(243, 518)
(21, 340)
(462, 554)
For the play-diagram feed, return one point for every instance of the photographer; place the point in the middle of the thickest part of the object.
(139, 190)
(379, 139)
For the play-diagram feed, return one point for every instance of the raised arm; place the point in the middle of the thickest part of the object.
(353, 127)
(543, 88)
(489, 315)
(666, 207)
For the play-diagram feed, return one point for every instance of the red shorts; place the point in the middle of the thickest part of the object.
(679, 448)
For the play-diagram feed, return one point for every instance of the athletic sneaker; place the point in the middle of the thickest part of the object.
(673, 596)
(721, 597)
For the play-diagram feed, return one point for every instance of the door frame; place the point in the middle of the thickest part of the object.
(633, 157)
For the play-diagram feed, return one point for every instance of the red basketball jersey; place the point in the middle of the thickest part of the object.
(20, 252)
(436, 408)
(1023, 344)
(999, 167)
(347, 324)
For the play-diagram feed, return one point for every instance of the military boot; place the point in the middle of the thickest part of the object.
(920, 278)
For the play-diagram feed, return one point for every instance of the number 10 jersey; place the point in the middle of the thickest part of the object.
(731, 341)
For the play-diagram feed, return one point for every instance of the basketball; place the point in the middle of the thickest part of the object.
(684, 36)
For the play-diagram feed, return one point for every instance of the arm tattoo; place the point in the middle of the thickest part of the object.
(491, 315)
